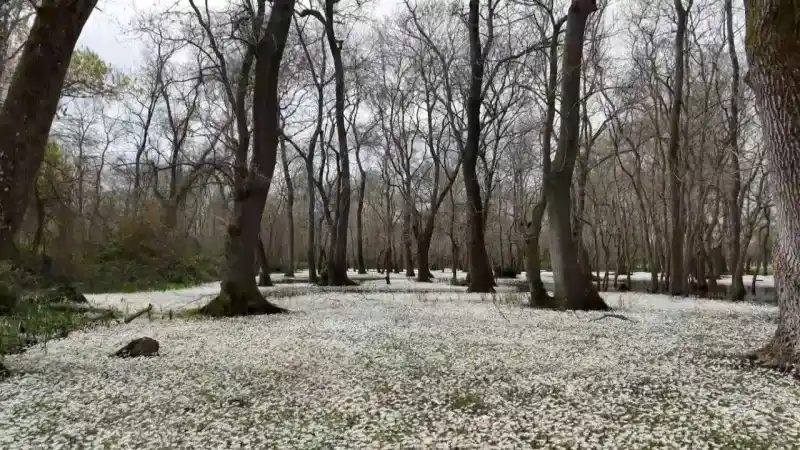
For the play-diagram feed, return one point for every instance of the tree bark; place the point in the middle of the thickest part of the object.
(773, 48)
(539, 298)
(289, 272)
(571, 283)
(408, 255)
(737, 291)
(677, 281)
(362, 188)
(262, 262)
(30, 105)
(481, 278)
(240, 294)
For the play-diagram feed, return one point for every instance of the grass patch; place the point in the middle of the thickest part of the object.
(40, 322)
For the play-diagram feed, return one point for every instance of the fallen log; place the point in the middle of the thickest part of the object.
(138, 313)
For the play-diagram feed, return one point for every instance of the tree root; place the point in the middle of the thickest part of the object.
(238, 300)
(778, 354)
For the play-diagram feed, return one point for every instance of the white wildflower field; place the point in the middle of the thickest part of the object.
(410, 365)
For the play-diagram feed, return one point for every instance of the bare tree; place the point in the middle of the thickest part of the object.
(571, 283)
(240, 294)
(337, 261)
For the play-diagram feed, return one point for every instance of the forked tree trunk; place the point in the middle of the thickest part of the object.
(240, 294)
(337, 268)
(572, 284)
(773, 46)
(481, 278)
(30, 105)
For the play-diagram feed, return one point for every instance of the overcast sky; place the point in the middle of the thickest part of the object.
(105, 32)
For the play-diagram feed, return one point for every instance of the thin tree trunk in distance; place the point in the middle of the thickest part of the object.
(773, 50)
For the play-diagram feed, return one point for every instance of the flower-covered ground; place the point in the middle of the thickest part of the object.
(408, 368)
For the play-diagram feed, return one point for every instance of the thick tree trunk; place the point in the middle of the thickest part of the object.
(572, 284)
(539, 298)
(773, 46)
(30, 105)
(481, 278)
(677, 282)
(424, 274)
(240, 294)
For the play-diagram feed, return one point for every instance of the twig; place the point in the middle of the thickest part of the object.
(494, 302)
(613, 316)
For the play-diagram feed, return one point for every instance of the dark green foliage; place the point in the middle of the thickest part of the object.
(144, 259)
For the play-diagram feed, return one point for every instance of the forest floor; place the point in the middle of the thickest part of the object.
(409, 365)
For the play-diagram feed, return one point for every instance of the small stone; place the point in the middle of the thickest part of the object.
(143, 346)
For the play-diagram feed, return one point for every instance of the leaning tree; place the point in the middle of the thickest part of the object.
(31, 104)
(773, 52)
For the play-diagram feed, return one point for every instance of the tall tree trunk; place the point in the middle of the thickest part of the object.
(311, 243)
(408, 255)
(289, 273)
(339, 275)
(737, 291)
(677, 281)
(30, 105)
(240, 294)
(480, 271)
(424, 274)
(533, 266)
(773, 46)
(337, 266)
(362, 188)
(571, 283)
